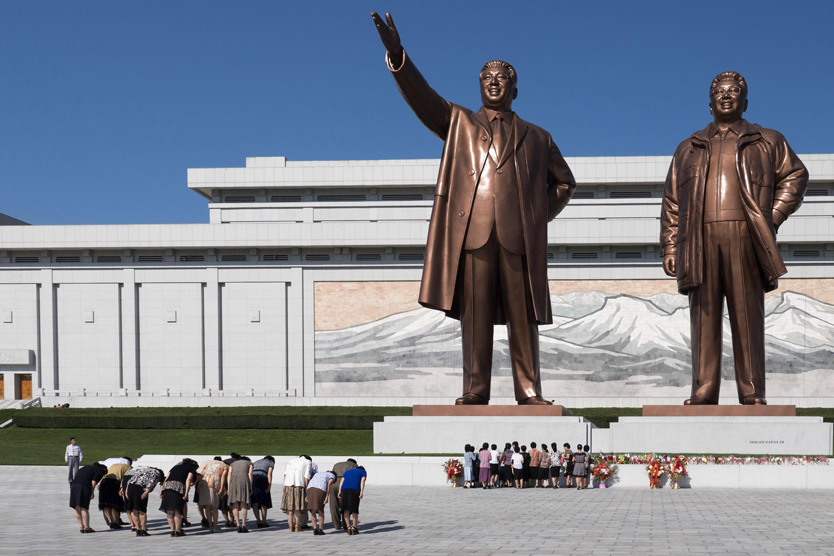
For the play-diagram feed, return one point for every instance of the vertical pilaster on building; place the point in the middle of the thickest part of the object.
(300, 335)
(48, 320)
(130, 331)
(212, 367)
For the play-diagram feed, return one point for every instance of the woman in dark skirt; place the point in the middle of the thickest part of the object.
(175, 493)
(507, 465)
(526, 467)
(580, 467)
(351, 491)
(567, 457)
(82, 491)
(110, 500)
(555, 465)
(141, 481)
(544, 467)
(123, 494)
(262, 488)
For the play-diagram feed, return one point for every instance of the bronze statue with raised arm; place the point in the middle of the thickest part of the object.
(501, 180)
(729, 188)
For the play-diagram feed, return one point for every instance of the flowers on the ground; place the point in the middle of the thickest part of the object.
(713, 460)
(453, 469)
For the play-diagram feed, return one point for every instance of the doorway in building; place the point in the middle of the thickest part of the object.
(2, 388)
(23, 386)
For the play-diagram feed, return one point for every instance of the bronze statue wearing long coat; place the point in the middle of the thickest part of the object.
(501, 180)
(545, 182)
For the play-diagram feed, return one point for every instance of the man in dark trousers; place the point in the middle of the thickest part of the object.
(729, 189)
(501, 181)
(335, 511)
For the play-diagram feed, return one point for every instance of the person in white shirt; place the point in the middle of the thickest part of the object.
(73, 457)
(294, 499)
(115, 461)
(518, 467)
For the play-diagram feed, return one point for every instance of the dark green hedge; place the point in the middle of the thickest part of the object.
(287, 418)
(272, 417)
(602, 417)
(289, 422)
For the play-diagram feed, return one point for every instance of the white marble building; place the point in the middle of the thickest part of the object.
(263, 304)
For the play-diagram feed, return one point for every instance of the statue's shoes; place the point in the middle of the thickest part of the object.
(471, 399)
(535, 400)
(695, 400)
(753, 400)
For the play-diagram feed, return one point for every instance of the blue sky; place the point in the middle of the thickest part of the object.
(104, 105)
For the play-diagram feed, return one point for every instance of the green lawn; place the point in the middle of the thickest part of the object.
(46, 446)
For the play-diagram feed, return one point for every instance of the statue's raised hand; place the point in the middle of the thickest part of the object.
(390, 37)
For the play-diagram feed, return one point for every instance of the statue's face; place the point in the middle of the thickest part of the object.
(497, 89)
(727, 101)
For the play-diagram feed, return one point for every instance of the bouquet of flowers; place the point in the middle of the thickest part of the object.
(453, 469)
(677, 470)
(603, 471)
(656, 468)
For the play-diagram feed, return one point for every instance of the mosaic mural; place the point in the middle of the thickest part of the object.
(600, 344)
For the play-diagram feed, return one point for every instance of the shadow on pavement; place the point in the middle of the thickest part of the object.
(379, 527)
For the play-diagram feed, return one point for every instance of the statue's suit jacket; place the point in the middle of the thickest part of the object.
(545, 185)
(771, 177)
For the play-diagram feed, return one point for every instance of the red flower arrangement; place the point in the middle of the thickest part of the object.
(656, 468)
(602, 472)
(453, 469)
(677, 470)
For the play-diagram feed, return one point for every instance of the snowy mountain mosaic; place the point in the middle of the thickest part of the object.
(598, 345)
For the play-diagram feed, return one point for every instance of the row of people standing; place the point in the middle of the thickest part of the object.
(518, 467)
(230, 486)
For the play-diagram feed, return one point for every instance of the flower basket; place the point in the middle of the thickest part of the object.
(603, 471)
(677, 470)
(655, 469)
(453, 469)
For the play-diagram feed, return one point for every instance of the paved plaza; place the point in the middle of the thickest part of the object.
(36, 519)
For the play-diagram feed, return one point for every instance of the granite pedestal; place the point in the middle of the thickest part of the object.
(721, 430)
(448, 434)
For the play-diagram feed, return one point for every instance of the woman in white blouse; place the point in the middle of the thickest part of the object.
(294, 499)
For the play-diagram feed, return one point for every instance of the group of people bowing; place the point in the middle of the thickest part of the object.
(227, 486)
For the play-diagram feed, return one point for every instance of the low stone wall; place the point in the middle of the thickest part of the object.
(428, 471)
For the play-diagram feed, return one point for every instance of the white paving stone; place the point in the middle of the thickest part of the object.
(436, 520)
